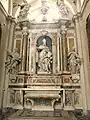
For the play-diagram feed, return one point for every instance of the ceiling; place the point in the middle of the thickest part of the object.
(69, 3)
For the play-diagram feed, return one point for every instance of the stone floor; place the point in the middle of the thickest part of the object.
(10, 114)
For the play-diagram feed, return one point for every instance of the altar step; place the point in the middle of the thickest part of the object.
(41, 115)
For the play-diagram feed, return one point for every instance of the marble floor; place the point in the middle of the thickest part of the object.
(41, 115)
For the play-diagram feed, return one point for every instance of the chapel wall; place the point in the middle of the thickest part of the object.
(3, 22)
(85, 52)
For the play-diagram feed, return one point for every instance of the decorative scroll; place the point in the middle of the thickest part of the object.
(68, 98)
(12, 96)
(17, 98)
(76, 98)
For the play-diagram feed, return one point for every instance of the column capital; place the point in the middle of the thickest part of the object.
(24, 24)
(25, 31)
(63, 29)
(77, 16)
(64, 22)
(11, 19)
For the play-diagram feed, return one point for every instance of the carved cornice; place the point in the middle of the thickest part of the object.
(44, 25)
(11, 19)
(24, 24)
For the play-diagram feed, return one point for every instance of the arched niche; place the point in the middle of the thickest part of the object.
(48, 41)
(88, 32)
(44, 54)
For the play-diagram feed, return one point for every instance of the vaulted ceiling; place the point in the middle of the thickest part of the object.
(69, 3)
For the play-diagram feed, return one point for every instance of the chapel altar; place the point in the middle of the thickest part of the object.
(43, 74)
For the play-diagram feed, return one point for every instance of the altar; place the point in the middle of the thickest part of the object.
(43, 75)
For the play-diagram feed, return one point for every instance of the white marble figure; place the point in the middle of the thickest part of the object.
(74, 62)
(45, 58)
(24, 8)
(13, 61)
(63, 9)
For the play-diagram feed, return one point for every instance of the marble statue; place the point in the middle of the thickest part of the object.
(13, 61)
(45, 58)
(74, 62)
(24, 8)
(63, 8)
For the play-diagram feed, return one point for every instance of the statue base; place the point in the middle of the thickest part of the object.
(43, 72)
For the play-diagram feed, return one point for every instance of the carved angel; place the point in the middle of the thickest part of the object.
(63, 8)
(24, 8)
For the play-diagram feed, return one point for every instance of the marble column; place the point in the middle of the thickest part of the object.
(4, 77)
(61, 54)
(10, 7)
(54, 57)
(58, 51)
(78, 5)
(64, 41)
(84, 71)
(34, 57)
(24, 49)
(30, 55)
(11, 35)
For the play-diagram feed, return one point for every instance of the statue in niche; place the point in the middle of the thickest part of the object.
(74, 62)
(45, 58)
(13, 61)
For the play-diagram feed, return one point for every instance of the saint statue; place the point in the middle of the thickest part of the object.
(45, 58)
(13, 61)
(74, 62)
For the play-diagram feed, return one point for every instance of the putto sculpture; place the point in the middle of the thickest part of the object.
(63, 9)
(24, 9)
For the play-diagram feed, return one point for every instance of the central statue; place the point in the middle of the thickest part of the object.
(44, 58)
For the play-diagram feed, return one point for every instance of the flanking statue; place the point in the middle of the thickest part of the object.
(74, 62)
(13, 61)
(44, 58)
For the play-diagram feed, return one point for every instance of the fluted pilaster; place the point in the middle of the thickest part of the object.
(64, 44)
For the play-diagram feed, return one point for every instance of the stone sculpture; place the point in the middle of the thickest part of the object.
(12, 62)
(63, 9)
(74, 62)
(24, 8)
(45, 58)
